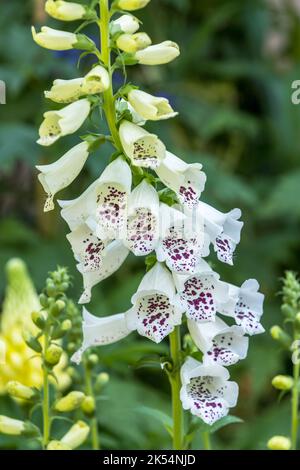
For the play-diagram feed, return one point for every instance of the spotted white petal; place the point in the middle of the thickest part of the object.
(63, 122)
(206, 390)
(245, 305)
(143, 220)
(60, 174)
(224, 230)
(143, 149)
(113, 257)
(100, 331)
(200, 293)
(150, 107)
(220, 343)
(186, 180)
(154, 314)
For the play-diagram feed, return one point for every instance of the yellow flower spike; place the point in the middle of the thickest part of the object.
(279, 443)
(76, 435)
(70, 402)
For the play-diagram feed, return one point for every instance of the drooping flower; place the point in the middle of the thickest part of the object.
(222, 344)
(57, 40)
(132, 5)
(206, 390)
(127, 24)
(60, 174)
(154, 314)
(245, 305)
(100, 331)
(224, 230)
(143, 220)
(113, 257)
(150, 107)
(132, 43)
(158, 54)
(66, 91)
(186, 180)
(183, 242)
(143, 149)
(73, 439)
(200, 293)
(67, 11)
(63, 122)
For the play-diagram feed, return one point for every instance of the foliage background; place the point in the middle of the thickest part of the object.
(232, 87)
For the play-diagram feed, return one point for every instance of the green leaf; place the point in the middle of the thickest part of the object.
(168, 196)
(160, 416)
(150, 261)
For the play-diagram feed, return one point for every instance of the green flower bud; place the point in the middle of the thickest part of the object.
(102, 379)
(51, 289)
(70, 402)
(38, 319)
(62, 329)
(283, 382)
(32, 342)
(53, 354)
(43, 300)
(88, 405)
(281, 336)
(57, 308)
(18, 390)
(92, 360)
(71, 347)
(279, 443)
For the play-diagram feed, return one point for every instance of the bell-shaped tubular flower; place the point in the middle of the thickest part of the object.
(150, 107)
(66, 91)
(144, 149)
(143, 220)
(245, 305)
(154, 314)
(114, 256)
(57, 40)
(220, 343)
(183, 242)
(186, 180)
(63, 122)
(100, 331)
(67, 11)
(125, 24)
(158, 54)
(199, 294)
(206, 390)
(87, 248)
(76, 435)
(224, 230)
(132, 43)
(132, 5)
(60, 174)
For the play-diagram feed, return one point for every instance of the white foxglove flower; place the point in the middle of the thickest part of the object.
(206, 390)
(113, 257)
(245, 305)
(224, 230)
(100, 331)
(63, 122)
(143, 220)
(60, 174)
(153, 314)
(186, 180)
(126, 24)
(158, 54)
(66, 91)
(65, 11)
(132, 43)
(183, 242)
(87, 248)
(222, 344)
(57, 40)
(132, 5)
(150, 107)
(144, 149)
(122, 106)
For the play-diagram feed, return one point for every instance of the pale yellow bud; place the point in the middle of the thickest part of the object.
(76, 435)
(53, 354)
(131, 5)
(103, 378)
(279, 443)
(57, 445)
(283, 382)
(88, 405)
(70, 402)
(18, 390)
(132, 43)
(65, 11)
(13, 427)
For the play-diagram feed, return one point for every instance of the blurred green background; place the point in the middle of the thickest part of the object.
(232, 87)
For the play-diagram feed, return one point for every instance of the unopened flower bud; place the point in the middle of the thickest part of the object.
(131, 5)
(70, 402)
(92, 360)
(283, 382)
(102, 379)
(43, 300)
(88, 405)
(68, 11)
(15, 427)
(76, 435)
(279, 443)
(281, 336)
(32, 342)
(53, 354)
(38, 319)
(57, 307)
(57, 445)
(18, 390)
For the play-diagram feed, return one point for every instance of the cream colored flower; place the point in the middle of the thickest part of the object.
(132, 5)
(150, 107)
(65, 11)
(158, 54)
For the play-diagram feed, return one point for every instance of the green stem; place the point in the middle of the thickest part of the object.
(94, 424)
(108, 95)
(295, 406)
(206, 440)
(175, 351)
(46, 399)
